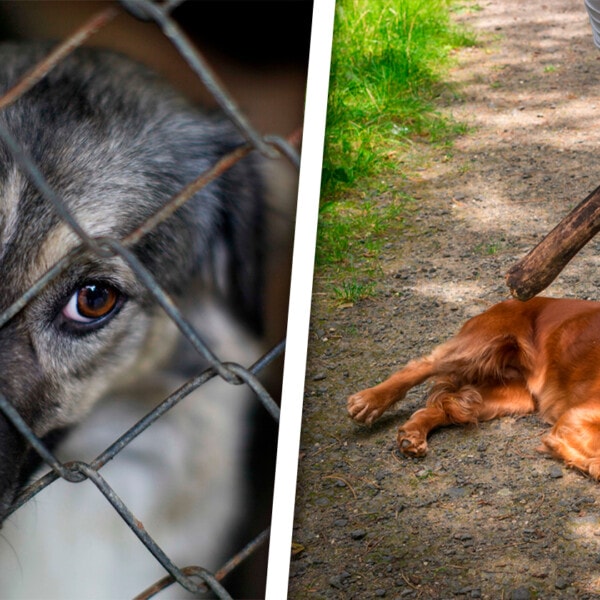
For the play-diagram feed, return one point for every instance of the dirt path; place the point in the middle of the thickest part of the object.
(483, 515)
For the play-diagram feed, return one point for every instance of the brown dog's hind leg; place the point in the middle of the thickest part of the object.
(575, 438)
(368, 405)
(450, 404)
(470, 357)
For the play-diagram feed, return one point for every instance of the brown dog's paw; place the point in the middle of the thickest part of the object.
(412, 443)
(574, 455)
(363, 407)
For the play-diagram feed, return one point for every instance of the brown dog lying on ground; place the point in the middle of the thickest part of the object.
(517, 357)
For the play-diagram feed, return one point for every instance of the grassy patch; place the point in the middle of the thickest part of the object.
(353, 290)
(351, 237)
(387, 77)
(352, 231)
(387, 68)
(490, 248)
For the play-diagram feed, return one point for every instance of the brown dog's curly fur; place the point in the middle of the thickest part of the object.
(517, 357)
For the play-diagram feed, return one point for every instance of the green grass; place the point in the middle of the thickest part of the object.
(353, 290)
(388, 62)
(351, 237)
(350, 232)
(490, 248)
(388, 65)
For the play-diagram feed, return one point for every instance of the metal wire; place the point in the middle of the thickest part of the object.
(149, 10)
(195, 579)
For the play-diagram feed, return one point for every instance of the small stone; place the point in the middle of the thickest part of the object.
(561, 584)
(521, 593)
(463, 591)
(381, 475)
(335, 582)
(358, 534)
(555, 472)
(457, 492)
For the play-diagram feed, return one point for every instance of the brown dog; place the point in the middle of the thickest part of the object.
(517, 357)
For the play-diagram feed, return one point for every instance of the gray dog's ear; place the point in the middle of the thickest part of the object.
(219, 235)
(216, 242)
(237, 256)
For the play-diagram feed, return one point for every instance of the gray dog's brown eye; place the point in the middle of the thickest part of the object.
(91, 303)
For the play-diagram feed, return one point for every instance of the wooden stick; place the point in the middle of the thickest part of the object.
(538, 269)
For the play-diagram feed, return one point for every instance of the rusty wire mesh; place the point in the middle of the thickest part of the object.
(195, 579)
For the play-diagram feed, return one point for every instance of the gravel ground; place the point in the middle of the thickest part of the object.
(483, 515)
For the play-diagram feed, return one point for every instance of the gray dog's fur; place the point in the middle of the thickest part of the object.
(115, 144)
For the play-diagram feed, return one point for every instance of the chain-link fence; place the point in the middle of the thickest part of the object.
(195, 579)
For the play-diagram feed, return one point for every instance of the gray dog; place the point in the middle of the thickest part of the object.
(115, 144)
